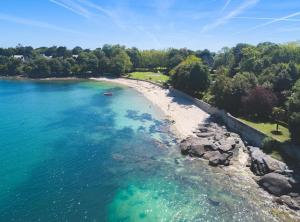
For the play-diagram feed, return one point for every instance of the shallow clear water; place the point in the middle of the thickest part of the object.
(68, 153)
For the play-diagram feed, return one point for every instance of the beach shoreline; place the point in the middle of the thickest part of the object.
(182, 112)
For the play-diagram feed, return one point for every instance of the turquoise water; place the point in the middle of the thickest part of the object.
(68, 153)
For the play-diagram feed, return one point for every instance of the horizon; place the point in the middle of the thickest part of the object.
(209, 24)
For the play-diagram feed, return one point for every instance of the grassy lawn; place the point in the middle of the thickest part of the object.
(270, 129)
(150, 76)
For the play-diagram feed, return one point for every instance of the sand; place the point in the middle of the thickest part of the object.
(182, 111)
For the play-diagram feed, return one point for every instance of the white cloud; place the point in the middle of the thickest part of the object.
(265, 18)
(73, 7)
(275, 20)
(223, 20)
(226, 5)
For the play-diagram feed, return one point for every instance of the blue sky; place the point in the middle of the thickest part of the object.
(146, 24)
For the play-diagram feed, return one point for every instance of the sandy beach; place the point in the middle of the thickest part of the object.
(185, 115)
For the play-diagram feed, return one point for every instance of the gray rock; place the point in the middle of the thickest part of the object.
(184, 147)
(227, 144)
(288, 201)
(276, 184)
(197, 150)
(262, 164)
(216, 158)
(196, 147)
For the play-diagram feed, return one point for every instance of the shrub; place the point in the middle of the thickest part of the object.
(269, 144)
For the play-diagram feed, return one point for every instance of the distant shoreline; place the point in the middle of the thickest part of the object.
(26, 78)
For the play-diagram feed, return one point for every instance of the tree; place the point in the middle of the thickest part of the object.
(76, 50)
(294, 112)
(88, 63)
(135, 57)
(56, 67)
(120, 63)
(278, 114)
(294, 100)
(40, 69)
(221, 90)
(228, 92)
(294, 126)
(206, 56)
(259, 102)
(191, 75)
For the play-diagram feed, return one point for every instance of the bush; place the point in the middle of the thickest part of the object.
(269, 144)
(294, 126)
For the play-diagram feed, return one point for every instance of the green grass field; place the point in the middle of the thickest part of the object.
(150, 76)
(270, 129)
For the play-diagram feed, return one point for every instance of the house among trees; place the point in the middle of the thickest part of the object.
(20, 57)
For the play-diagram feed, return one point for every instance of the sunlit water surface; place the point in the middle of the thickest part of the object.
(68, 153)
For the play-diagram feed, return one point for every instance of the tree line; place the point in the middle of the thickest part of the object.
(260, 81)
(110, 59)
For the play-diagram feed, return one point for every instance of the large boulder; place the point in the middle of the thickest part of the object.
(262, 164)
(276, 184)
(194, 146)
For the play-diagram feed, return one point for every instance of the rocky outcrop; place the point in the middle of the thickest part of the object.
(222, 148)
(213, 143)
(262, 164)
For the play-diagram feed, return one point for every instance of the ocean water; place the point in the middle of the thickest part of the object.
(68, 153)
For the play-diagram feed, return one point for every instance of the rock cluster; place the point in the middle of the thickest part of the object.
(219, 146)
(213, 143)
(262, 163)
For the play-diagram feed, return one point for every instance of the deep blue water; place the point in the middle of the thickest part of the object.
(68, 153)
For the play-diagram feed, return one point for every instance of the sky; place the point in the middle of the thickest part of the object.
(148, 24)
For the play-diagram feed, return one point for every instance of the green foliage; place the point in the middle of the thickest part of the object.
(153, 58)
(294, 126)
(39, 69)
(228, 92)
(270, 144)
(191, 75)
(120, 63)
(294, 99)
(272, 147)
(294, 112)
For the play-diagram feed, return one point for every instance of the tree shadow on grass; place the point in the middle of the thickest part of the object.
(277, 133)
